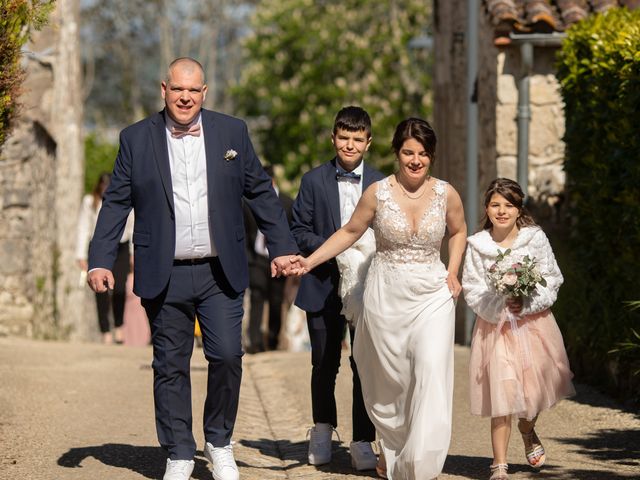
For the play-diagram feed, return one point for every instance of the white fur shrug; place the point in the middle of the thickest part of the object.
(481, 254)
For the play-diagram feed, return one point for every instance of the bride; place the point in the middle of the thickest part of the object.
(404, 338)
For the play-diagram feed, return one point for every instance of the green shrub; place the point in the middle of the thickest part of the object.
(99, 157)
(17, 17)
(599, 72)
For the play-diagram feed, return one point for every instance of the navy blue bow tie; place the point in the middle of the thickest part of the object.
(349, 175)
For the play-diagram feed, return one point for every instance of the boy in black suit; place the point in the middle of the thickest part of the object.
(327, 197)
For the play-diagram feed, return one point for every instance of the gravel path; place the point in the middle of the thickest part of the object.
(85, 411)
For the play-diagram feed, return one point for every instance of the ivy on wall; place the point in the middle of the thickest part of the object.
(599, 72)
(17, 19)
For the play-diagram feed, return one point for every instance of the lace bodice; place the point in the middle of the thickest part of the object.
(396, 243)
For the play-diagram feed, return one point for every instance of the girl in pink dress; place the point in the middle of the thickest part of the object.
(518, 365)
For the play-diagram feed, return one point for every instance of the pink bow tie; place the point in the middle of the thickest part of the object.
(178, 131)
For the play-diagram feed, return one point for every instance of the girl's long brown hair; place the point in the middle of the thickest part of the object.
(513, 193)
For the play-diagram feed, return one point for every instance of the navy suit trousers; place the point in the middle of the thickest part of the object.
(326, 331)
(202, 290)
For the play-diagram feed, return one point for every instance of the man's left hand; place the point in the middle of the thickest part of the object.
(283, 266)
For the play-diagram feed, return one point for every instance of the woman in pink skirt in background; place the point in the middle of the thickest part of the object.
(518, 365)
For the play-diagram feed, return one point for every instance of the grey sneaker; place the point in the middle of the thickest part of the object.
(362, 456)
(224, 465)
(178, 469)
(320, 443)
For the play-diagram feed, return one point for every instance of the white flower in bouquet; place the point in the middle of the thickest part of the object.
(513, 277)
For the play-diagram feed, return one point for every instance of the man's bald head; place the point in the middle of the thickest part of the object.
(186, 64)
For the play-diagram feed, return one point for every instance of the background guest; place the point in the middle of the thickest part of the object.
(113, 301)
(262, 286)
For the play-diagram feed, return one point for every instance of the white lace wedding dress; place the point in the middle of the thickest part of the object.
(404, 340)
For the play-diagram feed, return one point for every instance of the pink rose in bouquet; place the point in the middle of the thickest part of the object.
(510, 278)
(515, 278)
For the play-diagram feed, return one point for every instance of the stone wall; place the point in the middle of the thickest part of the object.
(546, 129)
(497, 97)
(26, 257)
(41, 171)
(499, 71)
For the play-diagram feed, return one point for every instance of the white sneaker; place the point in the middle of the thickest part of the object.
(224, 465)
(178, 469)
(362, 456)
(320, 443)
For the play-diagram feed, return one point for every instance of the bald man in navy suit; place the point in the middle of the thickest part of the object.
(185, 172)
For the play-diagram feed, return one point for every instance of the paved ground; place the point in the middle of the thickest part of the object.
(85, 411)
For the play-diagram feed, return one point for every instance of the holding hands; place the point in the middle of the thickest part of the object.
(302, 265)
(289, 265)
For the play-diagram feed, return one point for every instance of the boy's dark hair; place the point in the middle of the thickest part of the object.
(353, 119)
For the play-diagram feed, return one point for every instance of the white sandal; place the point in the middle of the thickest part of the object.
(499, 471)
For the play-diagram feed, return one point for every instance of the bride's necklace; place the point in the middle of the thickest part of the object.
(406, 193)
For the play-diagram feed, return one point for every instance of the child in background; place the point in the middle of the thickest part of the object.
(518, 364)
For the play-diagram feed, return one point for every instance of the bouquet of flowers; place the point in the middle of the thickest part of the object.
(513, 277)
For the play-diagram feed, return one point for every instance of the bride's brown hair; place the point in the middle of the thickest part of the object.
(419, 130)
(513, 193)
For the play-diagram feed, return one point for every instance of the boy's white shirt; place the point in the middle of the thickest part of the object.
(481, 254)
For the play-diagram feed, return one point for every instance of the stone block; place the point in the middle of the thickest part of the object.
(545, 90)
(543, 130)
(506, 130)
(546, 183)
(507, 90)
(13, 253)
(16, 197)
(507, 166)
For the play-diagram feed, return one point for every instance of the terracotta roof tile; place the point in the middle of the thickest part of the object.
(543, 16)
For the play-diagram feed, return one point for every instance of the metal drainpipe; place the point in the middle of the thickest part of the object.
(471, 204)
(526, 43)
(524, 116)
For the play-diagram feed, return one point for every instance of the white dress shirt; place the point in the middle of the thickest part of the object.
(350, 191)
(188, 164)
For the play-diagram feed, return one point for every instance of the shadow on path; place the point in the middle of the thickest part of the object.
(609, 445)
(294, 454)
(147, 461)
(588, 395)
(477, 468)
(150, 461)
(467, 467)
(556, 473)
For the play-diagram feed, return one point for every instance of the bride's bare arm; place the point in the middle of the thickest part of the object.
(457, 239)
(347, 235)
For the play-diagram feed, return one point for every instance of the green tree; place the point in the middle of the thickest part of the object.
(17, 19)
(127, 45)
(99, 157)
(307, 59)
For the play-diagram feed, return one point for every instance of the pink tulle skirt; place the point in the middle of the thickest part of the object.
(518, 373)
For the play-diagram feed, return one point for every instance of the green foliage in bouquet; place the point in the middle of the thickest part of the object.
(515, 277)
(17, 19)
(599, 72)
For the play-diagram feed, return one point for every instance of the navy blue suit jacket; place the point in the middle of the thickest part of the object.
(316, 216)
(142, 181)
